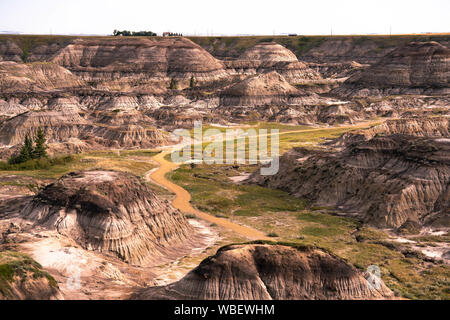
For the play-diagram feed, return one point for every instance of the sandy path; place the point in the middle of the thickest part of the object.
(183, 197)
(182, 200)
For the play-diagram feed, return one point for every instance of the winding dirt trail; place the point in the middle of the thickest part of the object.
(183, 197)
(182, 200)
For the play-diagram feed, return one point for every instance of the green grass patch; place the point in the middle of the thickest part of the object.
(37, 164)
(212, 191)
(18, 266)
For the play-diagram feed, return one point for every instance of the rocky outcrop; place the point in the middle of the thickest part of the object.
(10, 51)
(22, 278)
(128, 136)
(38, 76)
(112, 212)
(139, 64)
(336, 70)
(416, 68)
(295, 114)
(320, 49)
(264, 89)
(420, 127)
(271, 56)
(67, 131)
(384, 181)
(269, 271)
(57, 125)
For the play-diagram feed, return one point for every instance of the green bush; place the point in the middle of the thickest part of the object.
(36, 164)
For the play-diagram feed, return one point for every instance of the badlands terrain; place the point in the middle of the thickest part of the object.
(363, 182)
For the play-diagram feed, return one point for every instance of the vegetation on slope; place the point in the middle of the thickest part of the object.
(16, 266)
(407, 272)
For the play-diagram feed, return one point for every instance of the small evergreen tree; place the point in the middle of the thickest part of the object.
(26, 152)
(192, 83)
(40, 150)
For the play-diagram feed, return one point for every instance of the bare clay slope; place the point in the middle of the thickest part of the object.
(416, 68)
(142, 64)
(386, 180)
(263, 89)
(112, 212)
(35, 77)
(67, 131)
(265, 272)
(271, 56)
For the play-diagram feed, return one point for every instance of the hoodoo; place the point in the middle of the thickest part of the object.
(265, 272)
(112, 212)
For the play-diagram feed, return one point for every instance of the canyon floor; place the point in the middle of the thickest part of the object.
(363, 179)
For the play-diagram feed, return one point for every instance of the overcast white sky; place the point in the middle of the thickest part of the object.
(225, 17)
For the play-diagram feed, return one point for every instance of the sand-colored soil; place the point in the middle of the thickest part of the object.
(182, 200)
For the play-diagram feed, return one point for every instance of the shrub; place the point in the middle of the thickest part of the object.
(36, 164)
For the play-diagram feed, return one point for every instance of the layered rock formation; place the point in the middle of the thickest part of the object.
(58, 126)
(139, 64)
(271, 56)
(67, 131)
(416, 68)
(338, 70)
(38, 76)
(420, 127)
(265, 272)
(263, 89)
(10, 51)
(320, 49)
(384, 181)
(296, 114)
(112, 212)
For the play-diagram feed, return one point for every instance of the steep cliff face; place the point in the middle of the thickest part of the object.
(264, 89)
(19, 77)
(112, 212)
(270, 56)
(22, 278)
(385, 181)
(416, 68)
(139, 63)
(265, 272)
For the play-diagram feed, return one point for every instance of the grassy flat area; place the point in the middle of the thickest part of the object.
(134, 161)
(290, 136)
(286, 218)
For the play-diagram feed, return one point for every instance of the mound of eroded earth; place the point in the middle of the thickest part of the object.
(265, 272)
(112, 212)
